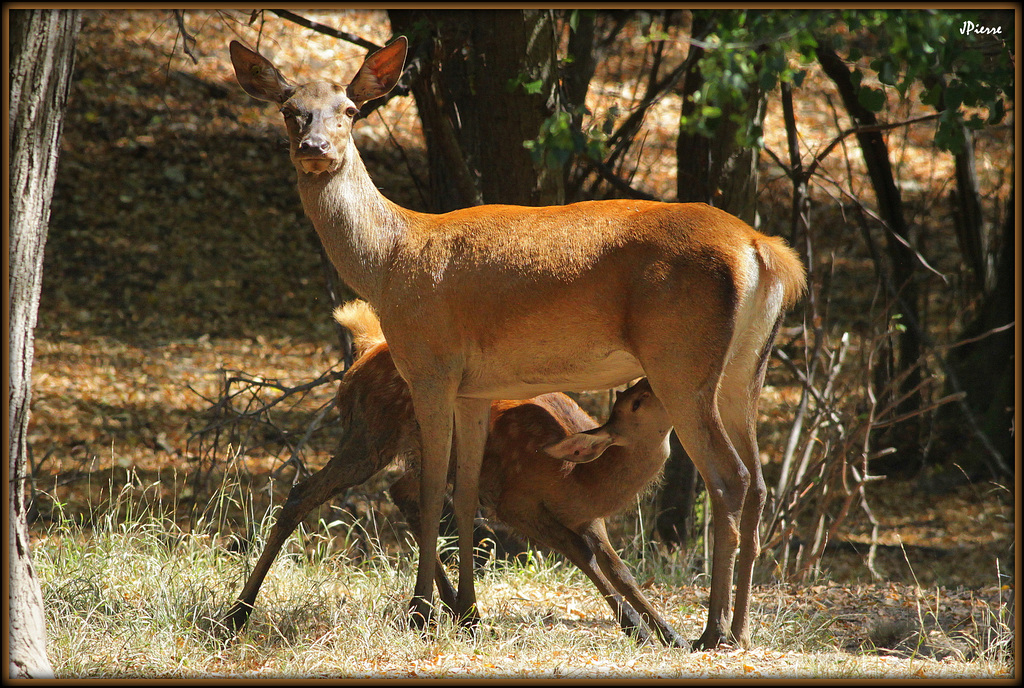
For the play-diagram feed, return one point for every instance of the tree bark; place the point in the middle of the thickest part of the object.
(42, 58)
(971, 231)
(984, 366)
(715, 170)
(474, 122)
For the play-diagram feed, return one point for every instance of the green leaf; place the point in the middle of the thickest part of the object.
(871, 98)
(711, 112)
(533, 87)
(932, 96)
(888, 73)
(856, 76)
(997, 111)
(949, 133)
(953, 97)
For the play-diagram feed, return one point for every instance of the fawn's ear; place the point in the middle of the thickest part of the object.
(258, 76)
(582, 447)
(379, 73)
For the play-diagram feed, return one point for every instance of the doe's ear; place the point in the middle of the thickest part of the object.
(380, 72)
(583, 447)
(258, 76)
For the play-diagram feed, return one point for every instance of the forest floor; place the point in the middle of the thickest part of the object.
(178, 251)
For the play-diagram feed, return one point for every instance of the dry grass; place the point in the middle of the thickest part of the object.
(136, 597)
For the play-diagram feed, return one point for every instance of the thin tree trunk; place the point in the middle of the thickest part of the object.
(42, 57)
(898, 241)
(971, 231)
(984, 366)
(451, 183)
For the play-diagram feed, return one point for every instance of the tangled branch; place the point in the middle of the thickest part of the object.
(255, 413)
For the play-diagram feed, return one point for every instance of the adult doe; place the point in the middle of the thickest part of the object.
(507, 302)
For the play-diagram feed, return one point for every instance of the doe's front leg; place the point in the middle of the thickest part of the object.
(434, 409)
(472, 417)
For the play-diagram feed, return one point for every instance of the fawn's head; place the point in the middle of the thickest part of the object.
(319, 115)
(638, 420)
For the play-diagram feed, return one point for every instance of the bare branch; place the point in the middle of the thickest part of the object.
(188, 41)
(997, 462)
(609, 176)
(327, 30)
(820, 157)
(252, 412)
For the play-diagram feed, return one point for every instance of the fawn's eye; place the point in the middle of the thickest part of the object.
(638, 402)
(351, 111)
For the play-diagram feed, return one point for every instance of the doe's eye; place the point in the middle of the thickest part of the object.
(351, 111)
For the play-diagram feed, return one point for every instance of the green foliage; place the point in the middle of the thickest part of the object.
(747, 50)
(530, 86)
(560, 139)
(871, 98)
(968, 76)
(574, 18)
(965, 75)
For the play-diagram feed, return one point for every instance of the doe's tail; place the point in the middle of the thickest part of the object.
(785, 267)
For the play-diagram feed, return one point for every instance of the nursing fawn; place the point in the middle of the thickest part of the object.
(549, 472)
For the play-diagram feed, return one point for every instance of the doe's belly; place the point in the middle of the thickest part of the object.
(522, 377)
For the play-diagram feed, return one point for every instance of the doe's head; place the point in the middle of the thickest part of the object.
(319, 115)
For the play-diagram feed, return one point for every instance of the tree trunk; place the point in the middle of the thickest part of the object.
(715, 170)
(676, 519)
(971, 231)
(474, 120)
(42, 58)
(984, 365)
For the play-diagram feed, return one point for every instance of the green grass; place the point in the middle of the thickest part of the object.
(134, 596)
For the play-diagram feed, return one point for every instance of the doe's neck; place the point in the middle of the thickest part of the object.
(358, 226)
